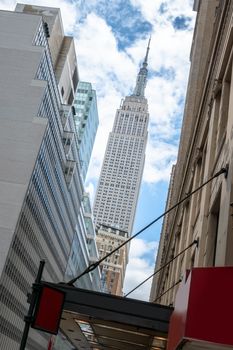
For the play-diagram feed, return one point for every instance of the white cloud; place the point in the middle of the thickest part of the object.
(68, 9)
(89, 188)
(150, 9)
(141, 265)
(159, 160)
(7, 5)
(110, 70)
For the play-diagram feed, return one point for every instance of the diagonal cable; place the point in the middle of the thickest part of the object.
(92, 266)
(196, 241)
(175, 284)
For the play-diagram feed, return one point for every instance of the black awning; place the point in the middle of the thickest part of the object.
(99, 321)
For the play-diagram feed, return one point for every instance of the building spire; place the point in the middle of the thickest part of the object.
(147, 53)
(142, 75)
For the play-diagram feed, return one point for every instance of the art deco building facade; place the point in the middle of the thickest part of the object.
(120, 178)
(206, 147)
(113, 268)
(40, 182)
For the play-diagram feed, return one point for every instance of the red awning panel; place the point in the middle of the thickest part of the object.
(203, 310)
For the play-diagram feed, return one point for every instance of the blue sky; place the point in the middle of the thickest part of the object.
(111, 38)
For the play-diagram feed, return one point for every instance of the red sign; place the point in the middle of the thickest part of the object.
(203, 308)
(49, 310)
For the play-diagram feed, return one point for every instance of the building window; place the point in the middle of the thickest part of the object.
(212, 234)
(222, 99)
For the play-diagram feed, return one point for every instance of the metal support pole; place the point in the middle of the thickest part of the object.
(29, 318)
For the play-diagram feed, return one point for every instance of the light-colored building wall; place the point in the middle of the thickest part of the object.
(66, 70)
(62, 49)
(206, 215)
(40, 183)
(21, 132)
(160, 258)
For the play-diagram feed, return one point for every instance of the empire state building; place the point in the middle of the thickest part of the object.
(120, 179)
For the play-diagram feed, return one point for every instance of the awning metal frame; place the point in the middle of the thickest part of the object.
(127, 319)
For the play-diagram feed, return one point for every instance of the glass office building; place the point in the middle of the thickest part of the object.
(86, 122)
(84, 250)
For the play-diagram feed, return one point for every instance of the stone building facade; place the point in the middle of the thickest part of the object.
(206, 146)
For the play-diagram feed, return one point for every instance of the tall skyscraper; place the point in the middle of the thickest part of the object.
(120, 179)
(40, 182)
